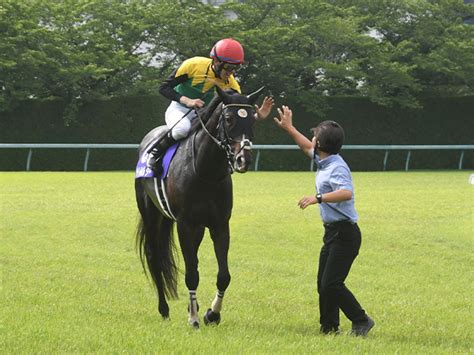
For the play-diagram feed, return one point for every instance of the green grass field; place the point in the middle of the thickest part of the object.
(72, 281)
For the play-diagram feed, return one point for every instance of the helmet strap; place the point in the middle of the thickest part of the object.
(217, 67)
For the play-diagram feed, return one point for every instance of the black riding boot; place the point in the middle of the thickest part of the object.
(157, 152)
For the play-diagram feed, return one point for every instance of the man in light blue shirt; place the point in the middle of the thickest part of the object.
(333, 174)
(342, 236)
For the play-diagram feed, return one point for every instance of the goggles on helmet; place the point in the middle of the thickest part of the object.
(228, 67)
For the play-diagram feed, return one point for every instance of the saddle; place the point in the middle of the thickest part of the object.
(142, 171)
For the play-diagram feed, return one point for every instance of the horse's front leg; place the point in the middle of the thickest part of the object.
(220, 237)
(190, 238)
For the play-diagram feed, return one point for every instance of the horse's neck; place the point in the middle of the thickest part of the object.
(211, 162)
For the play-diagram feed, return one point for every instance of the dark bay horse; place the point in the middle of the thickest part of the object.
(199, 193)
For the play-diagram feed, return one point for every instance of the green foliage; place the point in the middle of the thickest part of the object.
(394, 52)
(75, 49)
(72, 281)
(419, 37)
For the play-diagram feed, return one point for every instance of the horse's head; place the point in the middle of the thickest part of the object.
(238, 118)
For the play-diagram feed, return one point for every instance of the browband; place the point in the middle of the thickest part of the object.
(238, 105)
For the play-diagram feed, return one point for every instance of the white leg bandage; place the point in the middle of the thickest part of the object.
(193, 312)
(217, 303)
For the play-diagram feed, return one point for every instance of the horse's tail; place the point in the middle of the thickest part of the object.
(155, 244)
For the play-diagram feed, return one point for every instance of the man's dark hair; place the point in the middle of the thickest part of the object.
(330, 136)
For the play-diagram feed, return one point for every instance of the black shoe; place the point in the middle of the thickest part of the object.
(363, 328)
(154, 162)
(329, 330)
(155, 154)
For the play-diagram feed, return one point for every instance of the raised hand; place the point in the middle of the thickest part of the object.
(285, 121)
(264, 110)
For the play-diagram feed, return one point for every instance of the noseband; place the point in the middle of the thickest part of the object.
(223, 140)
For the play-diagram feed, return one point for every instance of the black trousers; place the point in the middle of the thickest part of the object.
(341, 245)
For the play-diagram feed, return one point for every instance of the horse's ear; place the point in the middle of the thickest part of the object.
(254, 96)
(222, 94)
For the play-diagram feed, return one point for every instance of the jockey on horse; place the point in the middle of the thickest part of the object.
(192, 86)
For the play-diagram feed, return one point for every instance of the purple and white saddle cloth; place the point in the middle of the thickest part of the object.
(142, 171)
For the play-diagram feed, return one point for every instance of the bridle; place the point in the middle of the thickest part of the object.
(223, 140)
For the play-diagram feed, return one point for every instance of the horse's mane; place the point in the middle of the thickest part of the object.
(206, 112)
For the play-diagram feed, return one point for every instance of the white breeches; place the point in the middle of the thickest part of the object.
(174, 119)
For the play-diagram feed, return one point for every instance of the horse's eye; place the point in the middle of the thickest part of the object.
(229, 117)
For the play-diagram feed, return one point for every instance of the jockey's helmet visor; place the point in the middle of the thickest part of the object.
(229, 67)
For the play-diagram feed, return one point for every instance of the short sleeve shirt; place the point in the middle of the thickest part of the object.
(334, 174)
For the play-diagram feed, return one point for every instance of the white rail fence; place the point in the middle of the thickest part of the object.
(256, 147)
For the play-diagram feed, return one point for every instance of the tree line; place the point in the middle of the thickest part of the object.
(395, 52)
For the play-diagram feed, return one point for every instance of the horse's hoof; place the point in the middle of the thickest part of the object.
(194, 324)
(212, 318)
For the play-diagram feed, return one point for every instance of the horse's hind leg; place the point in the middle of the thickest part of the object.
(220, 237)
(190, 238)
(152, 219)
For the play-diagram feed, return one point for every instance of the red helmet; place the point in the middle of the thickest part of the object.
(228, 50)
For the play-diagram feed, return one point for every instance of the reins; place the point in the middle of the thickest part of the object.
(224, 143)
